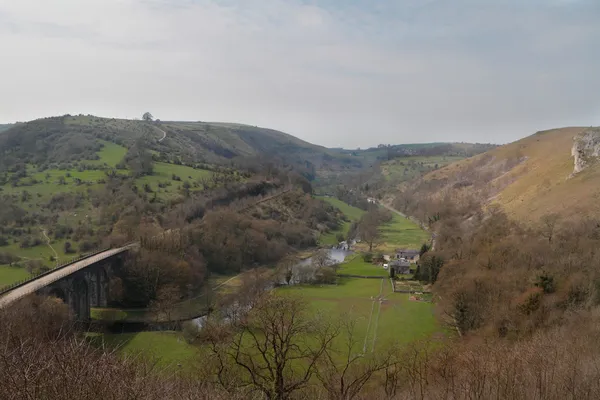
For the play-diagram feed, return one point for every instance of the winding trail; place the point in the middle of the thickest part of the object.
(49, 245)
(227, 281)
(163, 132)
(368, 327)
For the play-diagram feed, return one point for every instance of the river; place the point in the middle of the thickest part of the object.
(336, 255)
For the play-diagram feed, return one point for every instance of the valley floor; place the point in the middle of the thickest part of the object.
(381, 316)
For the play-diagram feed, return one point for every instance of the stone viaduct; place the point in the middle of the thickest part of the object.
(82, 283)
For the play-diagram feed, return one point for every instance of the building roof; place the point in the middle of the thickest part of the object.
(407, 251)
(400, 263)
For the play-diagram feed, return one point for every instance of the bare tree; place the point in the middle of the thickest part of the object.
(344, 370)
(549, 222)
(275, 350)
(321, 259)
(368, 227)
(285, 268)
(167, 298)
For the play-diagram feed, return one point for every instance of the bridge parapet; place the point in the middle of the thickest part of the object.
(12, 286)
(70, 273)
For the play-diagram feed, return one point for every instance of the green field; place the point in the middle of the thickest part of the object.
(401, 233)
(395, 320)
(111, 154)
(41, 254)
(166, 348)
(378, 324)
(357, 266)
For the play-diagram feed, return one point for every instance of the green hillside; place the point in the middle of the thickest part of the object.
(352, 214)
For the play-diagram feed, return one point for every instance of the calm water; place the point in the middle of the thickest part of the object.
(337, 255)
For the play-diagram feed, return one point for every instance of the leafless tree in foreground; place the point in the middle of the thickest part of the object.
(274, 350)
(344, 370)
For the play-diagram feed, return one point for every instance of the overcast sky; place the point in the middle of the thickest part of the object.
(333, 72)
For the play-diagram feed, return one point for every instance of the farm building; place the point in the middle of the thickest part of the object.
(400, 267)
(410, 255)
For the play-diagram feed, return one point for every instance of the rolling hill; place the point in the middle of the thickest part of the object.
(528, 178)
(60, 139)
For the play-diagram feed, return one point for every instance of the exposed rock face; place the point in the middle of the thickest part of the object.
(586, 149)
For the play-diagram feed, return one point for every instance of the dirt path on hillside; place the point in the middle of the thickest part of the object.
(164, 134)
(49, 245)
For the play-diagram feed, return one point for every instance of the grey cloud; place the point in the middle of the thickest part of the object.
(328, 72)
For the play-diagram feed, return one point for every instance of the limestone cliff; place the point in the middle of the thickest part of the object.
(586, 149)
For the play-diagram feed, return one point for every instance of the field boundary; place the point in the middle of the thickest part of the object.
(379, 300)
(361, 276)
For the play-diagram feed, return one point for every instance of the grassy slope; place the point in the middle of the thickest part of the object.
(163, 173)
(352, 213)
(541, 183)
(349, 211)
(110, 155)
(406, 168)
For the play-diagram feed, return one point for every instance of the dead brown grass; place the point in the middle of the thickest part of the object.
(539, 184)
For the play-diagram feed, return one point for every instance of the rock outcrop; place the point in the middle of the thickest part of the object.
(586, 149)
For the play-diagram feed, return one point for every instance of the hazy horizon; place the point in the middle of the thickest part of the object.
(333, 73)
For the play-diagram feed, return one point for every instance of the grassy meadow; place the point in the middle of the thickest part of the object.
(355, 265)
(401, 232)
(395, 319)
(10, 275)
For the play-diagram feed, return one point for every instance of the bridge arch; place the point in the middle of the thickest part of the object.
(59, 293)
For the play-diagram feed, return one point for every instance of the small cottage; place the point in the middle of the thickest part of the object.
(410, 255)
(400, 267)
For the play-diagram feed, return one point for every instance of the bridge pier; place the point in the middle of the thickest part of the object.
(82, 290)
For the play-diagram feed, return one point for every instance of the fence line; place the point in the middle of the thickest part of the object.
(33, 277)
